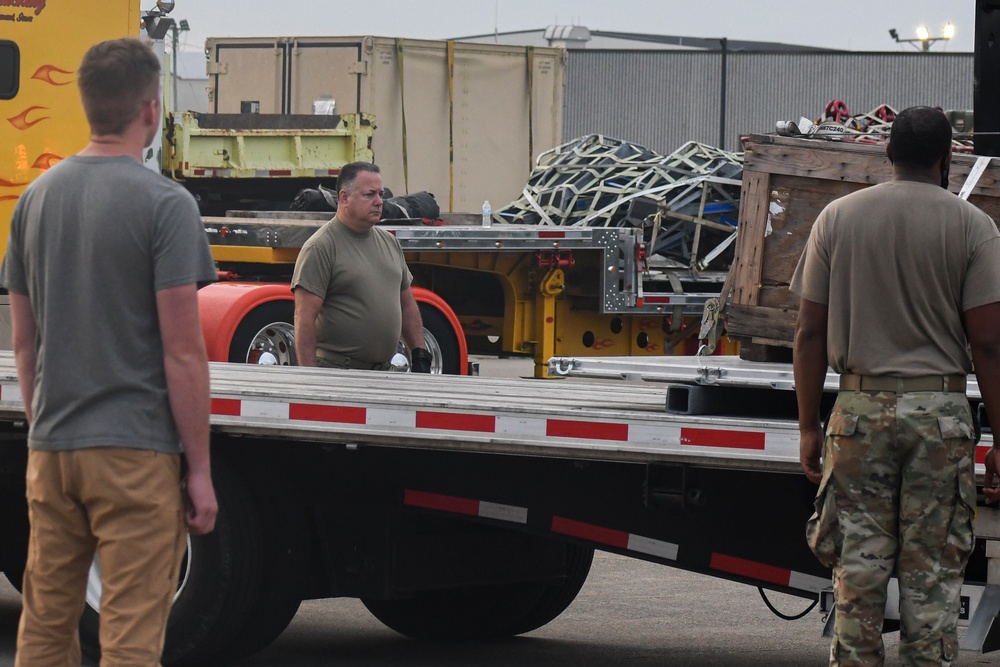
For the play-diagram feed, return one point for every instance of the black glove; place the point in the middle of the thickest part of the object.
(420, 360)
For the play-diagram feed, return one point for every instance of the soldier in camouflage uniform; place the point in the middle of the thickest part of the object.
(898, 283)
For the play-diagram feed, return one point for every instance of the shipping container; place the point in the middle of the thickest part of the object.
(462, 121)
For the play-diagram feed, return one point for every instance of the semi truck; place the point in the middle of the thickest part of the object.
(470, 507)
(467, 508)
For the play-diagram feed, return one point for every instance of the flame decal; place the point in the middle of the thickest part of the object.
(21, 121)
(602, 344)
(44, 73)
(10, 184)
(46, 160)
(9, 197)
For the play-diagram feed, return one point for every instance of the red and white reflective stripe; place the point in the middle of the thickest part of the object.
(696, 438)
(258, 173)
(701, 440)
(326, 172)
(981, 452)
(714, 437)
(614, 538)
(214, 173)
(467, 506)
(769, 573)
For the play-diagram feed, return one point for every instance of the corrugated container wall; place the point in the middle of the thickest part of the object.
(498, 106)
(662, 99)
(654, 98)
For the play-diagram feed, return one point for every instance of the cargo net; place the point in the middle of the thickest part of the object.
(686, 202)
(873, 127)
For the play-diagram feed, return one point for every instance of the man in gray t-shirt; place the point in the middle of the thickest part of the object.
(102, 267)
(353, 299)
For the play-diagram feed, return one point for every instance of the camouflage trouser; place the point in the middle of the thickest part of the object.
(898, 494)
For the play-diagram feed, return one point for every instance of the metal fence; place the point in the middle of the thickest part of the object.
(663, 99)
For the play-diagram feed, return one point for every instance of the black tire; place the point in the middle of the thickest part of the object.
(437, 327)
(221, 573)
(555, 599)
(271, 324)
(284, 552)
(15, 544)
(463, 614)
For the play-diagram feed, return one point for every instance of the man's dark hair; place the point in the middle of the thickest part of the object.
(349, 173)
(116, 79)
(920, 136)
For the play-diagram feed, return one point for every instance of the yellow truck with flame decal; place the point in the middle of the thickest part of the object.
(41, 120)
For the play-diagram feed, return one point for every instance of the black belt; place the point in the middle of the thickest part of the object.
(344, 361)
(942, 383)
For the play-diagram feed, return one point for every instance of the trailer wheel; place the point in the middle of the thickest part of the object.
(266, 336)
(218, 583)
(14, 550)
(439, 340)
(555, 599)
(284, 546)
(463, 614)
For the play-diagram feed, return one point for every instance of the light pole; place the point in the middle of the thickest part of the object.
(924, 38)
(182, 26)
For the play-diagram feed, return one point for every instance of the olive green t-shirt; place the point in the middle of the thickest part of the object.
(897, 264)
(359, 277)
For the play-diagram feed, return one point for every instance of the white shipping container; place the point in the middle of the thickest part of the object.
(498, 106)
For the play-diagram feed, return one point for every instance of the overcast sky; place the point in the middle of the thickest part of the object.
(856, 25)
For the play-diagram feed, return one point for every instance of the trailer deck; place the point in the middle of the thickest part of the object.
(582, 419)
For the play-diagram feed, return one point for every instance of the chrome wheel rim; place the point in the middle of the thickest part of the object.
(433, 348)
(273, 345)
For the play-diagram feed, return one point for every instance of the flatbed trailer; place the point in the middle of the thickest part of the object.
(469, 507)
(520, 289)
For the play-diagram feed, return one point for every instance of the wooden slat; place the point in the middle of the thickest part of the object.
(813, 158)
(744, 278)
(774, 324)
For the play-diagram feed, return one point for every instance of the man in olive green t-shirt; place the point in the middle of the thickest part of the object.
(346, 281)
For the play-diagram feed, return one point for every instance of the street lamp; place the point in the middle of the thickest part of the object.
(182, 26)
(924, 38)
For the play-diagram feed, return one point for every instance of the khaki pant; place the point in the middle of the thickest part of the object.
(125, 504)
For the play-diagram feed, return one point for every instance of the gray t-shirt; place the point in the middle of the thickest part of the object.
(359, 276)
(92, 241)
(897, 264)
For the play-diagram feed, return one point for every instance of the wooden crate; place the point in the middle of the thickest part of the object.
(786, 183)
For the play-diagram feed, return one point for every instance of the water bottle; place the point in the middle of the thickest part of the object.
(487, 214)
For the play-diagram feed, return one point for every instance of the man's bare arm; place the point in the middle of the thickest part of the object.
(413, 326)
(307, 307)
(25, 331)
(982, 327)
(810, 365)
(186, 365)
